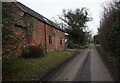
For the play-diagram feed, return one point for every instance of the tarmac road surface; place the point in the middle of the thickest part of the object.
(98, 70)
(85, 66)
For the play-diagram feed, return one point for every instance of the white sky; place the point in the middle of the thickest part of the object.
(53, 8)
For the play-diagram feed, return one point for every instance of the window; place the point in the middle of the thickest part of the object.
(21, 13)
(50, 39)
(60, 41)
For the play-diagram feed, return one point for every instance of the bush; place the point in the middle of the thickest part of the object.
(32, 51)
(76, 46)
(71, 45)
(109, 32)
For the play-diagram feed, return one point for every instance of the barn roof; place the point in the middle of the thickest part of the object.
(37, 15)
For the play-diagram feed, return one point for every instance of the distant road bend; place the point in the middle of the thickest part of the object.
(85, 66)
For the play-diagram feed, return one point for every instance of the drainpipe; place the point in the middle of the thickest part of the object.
(45, 38)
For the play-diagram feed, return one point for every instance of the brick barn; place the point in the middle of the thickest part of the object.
(45, 32)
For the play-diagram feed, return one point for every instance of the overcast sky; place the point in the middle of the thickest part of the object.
(53, 8)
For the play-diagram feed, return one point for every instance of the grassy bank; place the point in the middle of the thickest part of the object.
(110, 61)
(22, 69)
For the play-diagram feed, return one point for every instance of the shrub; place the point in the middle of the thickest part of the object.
(72, 45)
(32, 51)
(109, 32)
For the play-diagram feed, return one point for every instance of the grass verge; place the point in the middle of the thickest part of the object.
(22, 69)
(110, 61)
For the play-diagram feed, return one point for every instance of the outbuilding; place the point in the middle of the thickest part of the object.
(45, 33)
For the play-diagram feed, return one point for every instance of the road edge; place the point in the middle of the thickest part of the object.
(106, 63)
(63, 63)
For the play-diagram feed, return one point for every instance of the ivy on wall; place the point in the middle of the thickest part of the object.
(30, 29)
(11, 37)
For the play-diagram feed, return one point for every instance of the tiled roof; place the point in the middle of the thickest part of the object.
(37, 15)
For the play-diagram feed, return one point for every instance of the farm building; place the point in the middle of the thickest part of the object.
(45, 33)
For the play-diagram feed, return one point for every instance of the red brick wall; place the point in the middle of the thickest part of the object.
(39, 34)
(20, 32)
(38, 38)
(18, 46)
(56, 35)
(61, 35)
(50, 32)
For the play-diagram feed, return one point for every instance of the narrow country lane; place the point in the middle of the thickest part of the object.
(69, 70)
(98, 70)
(85, 66)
